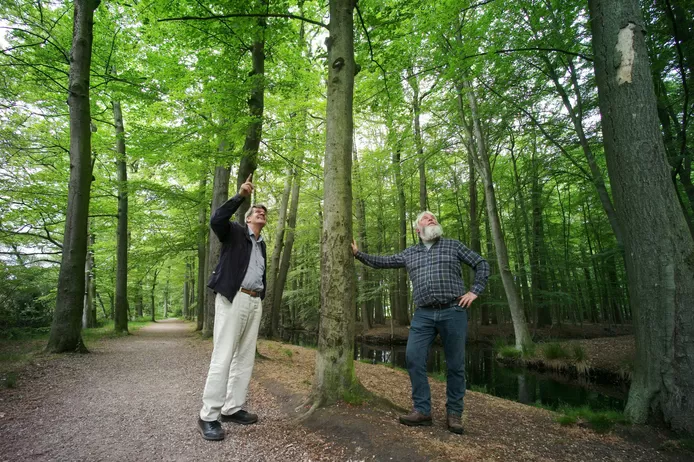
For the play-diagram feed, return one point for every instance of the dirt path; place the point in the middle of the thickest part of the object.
(137, 398)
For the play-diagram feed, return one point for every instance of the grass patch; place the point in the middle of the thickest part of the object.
(355, 395)
(107, 330)
(567, 420)
(289, 353)
(598, 421)
(500, 343)
(510, 352)
(25, 333)
(479, 388)
(529, 350)
(438, 376)
(579, 353)
(20, 347)
(554, 351)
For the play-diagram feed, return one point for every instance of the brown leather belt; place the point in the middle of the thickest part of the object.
(252, 293)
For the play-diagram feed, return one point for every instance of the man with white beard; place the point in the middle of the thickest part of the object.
(438, 291)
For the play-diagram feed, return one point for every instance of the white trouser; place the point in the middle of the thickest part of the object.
(235, 333)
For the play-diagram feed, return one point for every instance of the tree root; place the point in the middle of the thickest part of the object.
(306, 402)
(316, 404)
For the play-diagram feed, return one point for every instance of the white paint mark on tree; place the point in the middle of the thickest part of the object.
(625, 52)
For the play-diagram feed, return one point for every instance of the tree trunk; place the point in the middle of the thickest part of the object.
(416, 110)
(167, 298)
(538, 261)
(121, 314)
(575, 114)
(334, 359)
(360, 213)
(659, 250)
(138, 300)
(519, 202)
(154, 285)
(249, 159)
(66, 327)
(520, 326)
(269, 314)
(202, 253)
(288, 245)
(475, 241)
(220, 194)
(89, 312)
(186, 291)
(400, 313)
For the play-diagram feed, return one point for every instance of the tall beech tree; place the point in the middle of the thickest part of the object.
(659, 249)
(334, 374)
(65, 332)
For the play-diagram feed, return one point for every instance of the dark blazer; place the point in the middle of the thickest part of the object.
(236, 251)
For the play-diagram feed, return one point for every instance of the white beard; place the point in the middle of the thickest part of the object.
(431, 233)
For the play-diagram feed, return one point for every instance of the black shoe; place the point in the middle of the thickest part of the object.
(240, 417)
(211, 430)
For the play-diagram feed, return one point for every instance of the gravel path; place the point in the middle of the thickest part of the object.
(137, 398)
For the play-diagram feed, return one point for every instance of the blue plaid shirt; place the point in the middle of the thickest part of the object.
(435, 273)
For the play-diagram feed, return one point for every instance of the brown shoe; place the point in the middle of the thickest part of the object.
(454, 424)
(415, 419)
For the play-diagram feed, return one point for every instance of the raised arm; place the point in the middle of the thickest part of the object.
(377, 261)
(219, 221)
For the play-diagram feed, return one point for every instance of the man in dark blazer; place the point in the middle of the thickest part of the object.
(239, 285)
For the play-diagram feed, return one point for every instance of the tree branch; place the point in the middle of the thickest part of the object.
(48, 238)
(244, 15)
(371, 51)
(513, 50)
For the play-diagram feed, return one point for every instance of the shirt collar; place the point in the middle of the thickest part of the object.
(250, 233)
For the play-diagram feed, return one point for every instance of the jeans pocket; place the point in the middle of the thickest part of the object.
(459, 308)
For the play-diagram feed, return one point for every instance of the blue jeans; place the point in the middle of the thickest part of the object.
(451, 324)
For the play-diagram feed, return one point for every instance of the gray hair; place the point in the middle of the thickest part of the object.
(419, 217)
(253, 207)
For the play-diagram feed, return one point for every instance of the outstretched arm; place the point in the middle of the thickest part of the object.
(377, 261)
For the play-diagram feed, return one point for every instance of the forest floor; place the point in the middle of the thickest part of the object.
(138, 397)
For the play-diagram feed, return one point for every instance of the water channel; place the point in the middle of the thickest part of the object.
(484, 373)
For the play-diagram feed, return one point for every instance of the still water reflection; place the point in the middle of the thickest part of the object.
(485, 374)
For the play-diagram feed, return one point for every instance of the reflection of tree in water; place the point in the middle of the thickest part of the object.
(484, 372)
